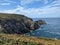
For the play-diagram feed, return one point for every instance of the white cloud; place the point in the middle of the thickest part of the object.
(35, 12)
(24, 2)
(45, 1)
(2, 4)
(8, 1)
(47, 11)
(54, 4)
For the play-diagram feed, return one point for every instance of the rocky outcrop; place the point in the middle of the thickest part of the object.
(15, 23)
(38, 23)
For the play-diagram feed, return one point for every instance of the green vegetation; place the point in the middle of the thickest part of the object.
(9, 16)
(5, 40)
(17, 39)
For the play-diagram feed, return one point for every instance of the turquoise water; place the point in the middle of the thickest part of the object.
(50, 30)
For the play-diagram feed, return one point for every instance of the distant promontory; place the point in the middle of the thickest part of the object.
(17, 23)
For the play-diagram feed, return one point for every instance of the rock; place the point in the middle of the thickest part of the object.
(38, 24)
(19, 24)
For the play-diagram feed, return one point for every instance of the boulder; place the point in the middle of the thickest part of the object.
(19, 24)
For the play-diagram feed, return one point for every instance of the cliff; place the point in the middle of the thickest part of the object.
(16, 23)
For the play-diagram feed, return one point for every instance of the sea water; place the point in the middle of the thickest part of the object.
(50, 30)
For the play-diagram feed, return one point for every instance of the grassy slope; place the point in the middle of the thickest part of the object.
(11, 16)
(16, 39)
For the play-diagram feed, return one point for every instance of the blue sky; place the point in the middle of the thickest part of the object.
(31, 8)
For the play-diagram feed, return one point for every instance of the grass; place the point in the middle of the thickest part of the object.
(11, 16)
(17, 39)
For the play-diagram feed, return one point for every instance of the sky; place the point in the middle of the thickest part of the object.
(32, 8)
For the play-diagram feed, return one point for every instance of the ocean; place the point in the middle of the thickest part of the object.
(50, 30)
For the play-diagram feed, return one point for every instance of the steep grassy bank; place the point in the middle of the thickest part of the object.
(17, 39)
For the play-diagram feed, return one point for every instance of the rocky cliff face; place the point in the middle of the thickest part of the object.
(15, 23)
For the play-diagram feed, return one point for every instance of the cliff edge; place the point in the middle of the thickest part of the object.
(17, 23)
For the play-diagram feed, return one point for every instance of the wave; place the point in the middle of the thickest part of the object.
(58, 33)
